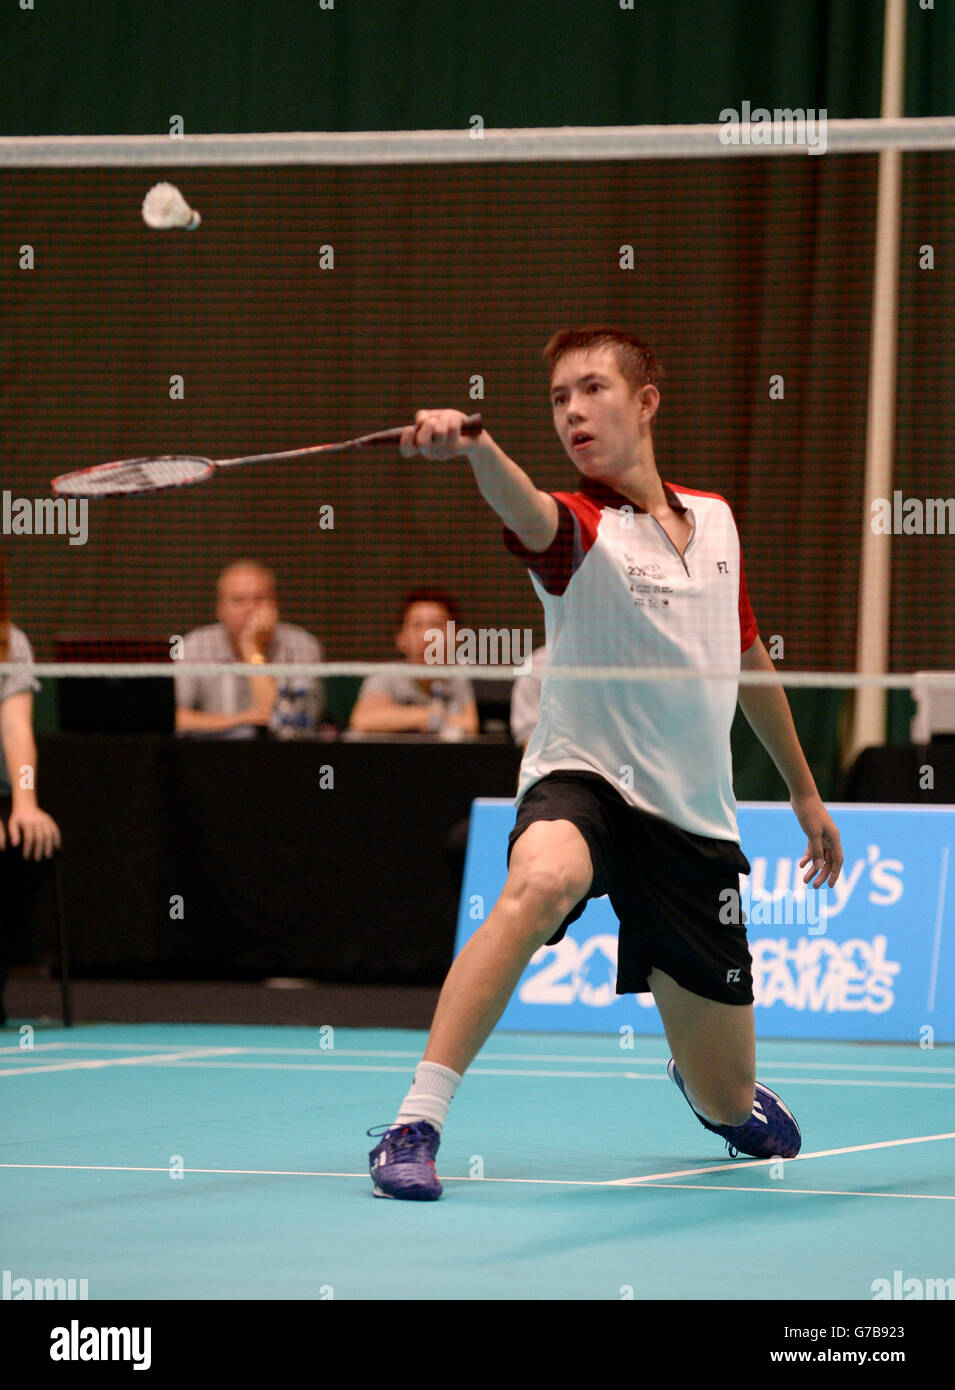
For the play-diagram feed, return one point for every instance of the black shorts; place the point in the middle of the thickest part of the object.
(664, 885)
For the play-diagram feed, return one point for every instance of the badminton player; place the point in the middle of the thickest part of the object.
(626, 786)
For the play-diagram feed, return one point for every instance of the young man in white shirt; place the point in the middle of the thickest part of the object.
(626, 786)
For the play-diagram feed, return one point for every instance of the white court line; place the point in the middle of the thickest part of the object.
(937, 939)
(514, 1071)
(491, 1057)
(184, 1060)
(808, 1191)
(99, 1062)
(661, 1061)
(210, 1065)
(528, 1182)
(203, 1058)
(200, 1049)
(761, 1162)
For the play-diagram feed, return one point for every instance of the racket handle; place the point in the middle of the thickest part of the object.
(472, 424)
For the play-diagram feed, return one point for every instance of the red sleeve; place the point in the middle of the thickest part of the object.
(577, 522)
(748, 631)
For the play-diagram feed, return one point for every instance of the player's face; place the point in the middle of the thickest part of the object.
(420, 620)
(241, 592)
(596, 412)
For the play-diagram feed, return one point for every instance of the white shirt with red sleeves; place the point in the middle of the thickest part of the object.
(616, 592)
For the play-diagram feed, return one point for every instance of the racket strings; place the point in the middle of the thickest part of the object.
(134, 475)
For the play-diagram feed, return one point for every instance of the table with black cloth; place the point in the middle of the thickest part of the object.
(330, 860)
(902, 773)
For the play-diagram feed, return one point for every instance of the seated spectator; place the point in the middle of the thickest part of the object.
(391, 702)
(28, 836)
(248, 630)
(526, 699)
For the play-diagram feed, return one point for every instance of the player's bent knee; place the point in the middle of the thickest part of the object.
(543, 894)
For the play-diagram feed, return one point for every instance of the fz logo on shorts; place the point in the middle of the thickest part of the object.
(732, 975)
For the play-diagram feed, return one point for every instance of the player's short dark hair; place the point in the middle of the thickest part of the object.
(637, 361)
(430, 595)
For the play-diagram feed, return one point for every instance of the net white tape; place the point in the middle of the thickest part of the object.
(782, 135)
(830, 680)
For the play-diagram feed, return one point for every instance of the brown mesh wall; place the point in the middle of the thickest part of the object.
(744, 268)
(922, 632)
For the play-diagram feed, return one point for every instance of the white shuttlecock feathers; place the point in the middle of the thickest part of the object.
(165, 207)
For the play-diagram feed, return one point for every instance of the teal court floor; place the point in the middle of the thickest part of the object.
(165, 1161)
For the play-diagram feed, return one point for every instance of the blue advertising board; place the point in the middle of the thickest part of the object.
(871, 959)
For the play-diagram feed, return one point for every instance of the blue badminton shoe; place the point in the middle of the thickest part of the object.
(402, 1165)
(770, 1132)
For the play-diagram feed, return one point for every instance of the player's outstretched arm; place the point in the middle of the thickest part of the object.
(770, 718)
(528, 512)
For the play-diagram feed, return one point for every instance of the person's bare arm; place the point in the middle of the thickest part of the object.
(254, 646)
(380, 714)
(29, 827)
(767, 710)
(190, 720)
(523, 508)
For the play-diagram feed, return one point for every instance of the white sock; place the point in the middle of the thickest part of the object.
(431, 1093)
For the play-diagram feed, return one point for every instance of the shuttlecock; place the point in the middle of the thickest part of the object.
(165, 207)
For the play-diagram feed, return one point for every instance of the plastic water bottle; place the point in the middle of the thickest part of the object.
(291, 715)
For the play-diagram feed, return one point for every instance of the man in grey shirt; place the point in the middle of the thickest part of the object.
(391, 702)
(248, 630)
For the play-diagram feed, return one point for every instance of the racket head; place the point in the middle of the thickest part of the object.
(130, 477)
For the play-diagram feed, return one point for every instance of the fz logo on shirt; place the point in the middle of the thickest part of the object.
(722, 567)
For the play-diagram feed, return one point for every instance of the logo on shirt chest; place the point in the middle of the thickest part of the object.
(646, 595)
(644, 571)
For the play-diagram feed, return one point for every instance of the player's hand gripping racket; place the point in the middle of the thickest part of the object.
(127, 477)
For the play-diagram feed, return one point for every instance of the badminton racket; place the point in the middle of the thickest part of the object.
(129, 477)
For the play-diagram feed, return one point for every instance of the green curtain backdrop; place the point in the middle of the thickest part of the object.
(123, 66)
